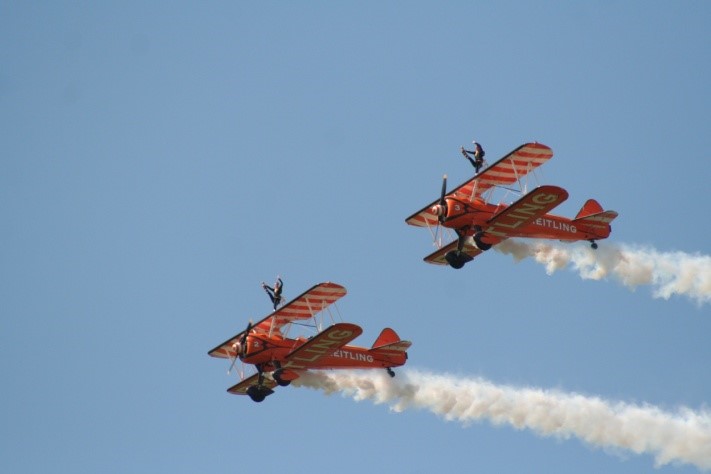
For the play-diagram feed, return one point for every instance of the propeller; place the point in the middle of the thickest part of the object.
(232, 365)
(243, 339)
(441, 207)
(240, 347)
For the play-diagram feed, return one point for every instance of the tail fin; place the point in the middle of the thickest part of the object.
(387, 336)
(592, 215)
(590, 207)
(390, 341)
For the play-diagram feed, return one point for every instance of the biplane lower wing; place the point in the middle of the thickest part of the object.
(437, 257)
(241, 388)
(322, 344)
(522, 212)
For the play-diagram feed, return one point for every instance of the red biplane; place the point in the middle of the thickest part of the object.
(479, 224)
(279, 359)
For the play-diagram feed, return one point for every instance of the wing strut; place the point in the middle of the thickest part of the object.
(475, 186)
(313, 315)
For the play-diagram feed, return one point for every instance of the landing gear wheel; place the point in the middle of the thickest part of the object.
(390, 372)
(483, 246)
(457, 259)
(454, 259)
(256, 394)
(277, 378)
(593, 244)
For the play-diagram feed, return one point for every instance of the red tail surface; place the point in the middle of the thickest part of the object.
(387, 336)
(589, 208)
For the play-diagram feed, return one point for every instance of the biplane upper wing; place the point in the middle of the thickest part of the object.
(506, 171)
(305, 306)
(322, 344)
(241, 388)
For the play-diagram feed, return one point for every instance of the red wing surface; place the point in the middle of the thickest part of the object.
(524, 211)
(322, 344)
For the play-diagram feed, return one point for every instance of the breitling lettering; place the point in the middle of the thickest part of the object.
(353, 356)
(551, 224)
(522, 214)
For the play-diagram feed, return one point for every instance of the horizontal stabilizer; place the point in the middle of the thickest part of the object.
(399, 346)
(601, 220)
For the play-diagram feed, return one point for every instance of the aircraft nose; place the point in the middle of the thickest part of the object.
(237, 348)
(438, 210)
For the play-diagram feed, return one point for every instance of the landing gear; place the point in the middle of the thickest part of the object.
(457, 259)
(593, 244)
(259, 392)
(277, 378)
(483, 246)
(390, 372)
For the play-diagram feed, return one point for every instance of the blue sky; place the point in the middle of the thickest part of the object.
(160, 160)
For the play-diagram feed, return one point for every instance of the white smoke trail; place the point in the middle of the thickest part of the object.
(684, 436)
(669, 273)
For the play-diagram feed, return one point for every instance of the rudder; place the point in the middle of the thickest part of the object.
(387, 336)
(590, 208)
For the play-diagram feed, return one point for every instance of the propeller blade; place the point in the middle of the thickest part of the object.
(243, 339)
(232, 365)
(246, 331)
(442, 203)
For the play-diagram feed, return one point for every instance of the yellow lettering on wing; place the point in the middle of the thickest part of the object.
(492, 231)
(545, 198)
(322, 345)
(306, 359)
(528, 209)
(340, 334)
(512, 224)
(522, 213)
